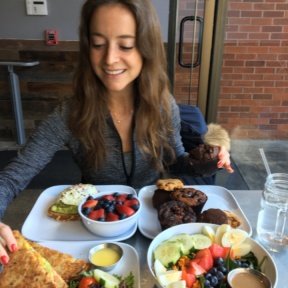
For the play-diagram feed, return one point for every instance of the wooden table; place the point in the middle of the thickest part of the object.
(248, 200)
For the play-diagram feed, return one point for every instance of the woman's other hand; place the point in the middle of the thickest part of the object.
(6, 239)
(224, 159)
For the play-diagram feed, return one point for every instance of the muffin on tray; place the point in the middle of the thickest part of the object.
(192, 197)
(163, 193)
(174, 212)
(218, 216)
(204, 158)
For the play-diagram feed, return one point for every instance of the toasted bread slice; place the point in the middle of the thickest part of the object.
(27, 268)
(64, 264)
(63, 217)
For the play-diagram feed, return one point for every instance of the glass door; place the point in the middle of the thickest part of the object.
(193, 40)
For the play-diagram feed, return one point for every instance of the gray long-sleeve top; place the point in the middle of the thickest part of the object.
(53, 133)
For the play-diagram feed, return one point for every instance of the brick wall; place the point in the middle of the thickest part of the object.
(253, 100)
(254, 88)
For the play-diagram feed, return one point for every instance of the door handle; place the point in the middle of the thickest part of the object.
(182, 25)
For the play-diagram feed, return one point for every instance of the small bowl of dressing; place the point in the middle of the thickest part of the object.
(105, 256)
(246, 277)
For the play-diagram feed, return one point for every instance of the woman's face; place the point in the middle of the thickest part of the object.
(114, 56)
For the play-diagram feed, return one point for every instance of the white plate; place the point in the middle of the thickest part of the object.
(218, 197)
(268, 267)
(39, 227)
(80, 250)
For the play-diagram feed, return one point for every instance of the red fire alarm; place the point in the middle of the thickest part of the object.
(51, 37)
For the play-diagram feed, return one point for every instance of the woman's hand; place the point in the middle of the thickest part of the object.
(6, 239)
(224, 159)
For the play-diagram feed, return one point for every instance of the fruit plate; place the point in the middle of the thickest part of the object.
(39, 227)
(218, 197)
(268, 267)
(80, 250)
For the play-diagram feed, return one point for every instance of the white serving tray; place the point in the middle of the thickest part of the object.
(218, 197)
(40, 227)
(79, 250)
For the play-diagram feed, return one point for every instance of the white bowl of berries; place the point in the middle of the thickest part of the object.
(110, 214)
(205, 253)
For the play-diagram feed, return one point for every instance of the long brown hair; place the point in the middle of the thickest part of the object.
(89, 111)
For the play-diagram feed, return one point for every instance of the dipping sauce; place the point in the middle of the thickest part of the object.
(105, 257)
(246, 280)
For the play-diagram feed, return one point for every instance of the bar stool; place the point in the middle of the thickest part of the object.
(16, 96)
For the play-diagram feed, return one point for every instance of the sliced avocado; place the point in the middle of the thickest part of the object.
(60, 207)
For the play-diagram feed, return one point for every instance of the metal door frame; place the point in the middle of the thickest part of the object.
(212, 54)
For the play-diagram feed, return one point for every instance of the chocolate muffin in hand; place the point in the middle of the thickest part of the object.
(204, 159)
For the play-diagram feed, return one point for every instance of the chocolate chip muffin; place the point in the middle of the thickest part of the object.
(204, 159)
(159, 197)
(174, 212)
(213, 216)
(194, 198)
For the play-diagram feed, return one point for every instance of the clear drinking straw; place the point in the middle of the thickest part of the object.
(265, 161)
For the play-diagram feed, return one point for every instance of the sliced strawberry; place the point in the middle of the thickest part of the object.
(121, 198)
(195, 269)
(227, 251)
(108, 197)
(90, 203)
(204, 259)
(217, 251)
(122, 209)
(190, 279)
(96, 214)
(131, 202)
(112, 217)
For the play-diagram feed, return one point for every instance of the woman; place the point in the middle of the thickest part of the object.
(122, 125)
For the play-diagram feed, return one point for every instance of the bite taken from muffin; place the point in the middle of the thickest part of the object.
(204, 159)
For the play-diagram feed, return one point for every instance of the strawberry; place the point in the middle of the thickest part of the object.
(227, 251)
(195, 269)
(90, 203)
(112, 217)
(121, 198)
(190, 279)
(96, 214)
(131, 202)
(122, 209)
(217, 251)
(204, 259)
(108, 197)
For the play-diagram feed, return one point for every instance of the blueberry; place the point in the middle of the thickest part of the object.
(119, 202)
(101, 219)
(222, 269)
(130, 196)
(219, 275)
(135, 206)
(116, 194)
(90, 198)
(110, 208)
(207, 283)
(208, 275)
(86, 210)
(219, 261)
(213, 281)
(122, 216)
(213, 271)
